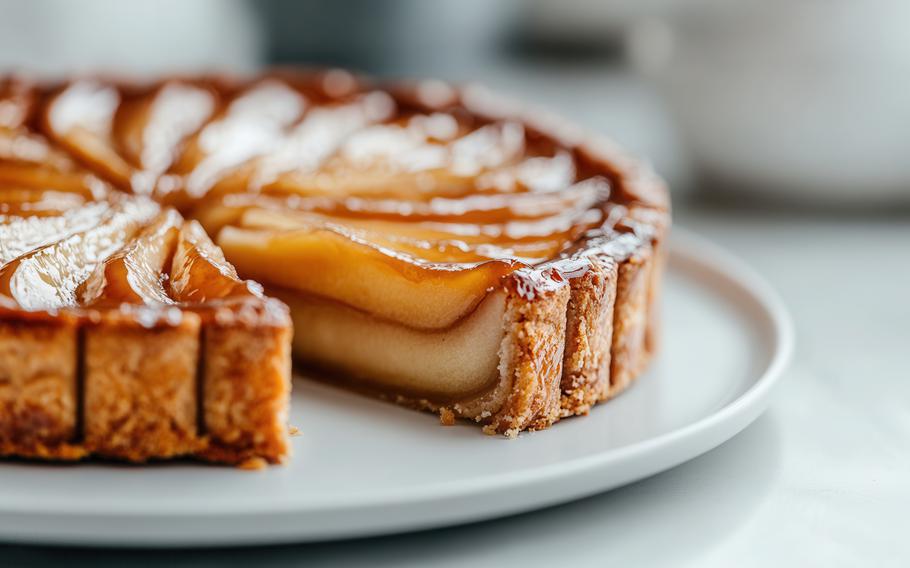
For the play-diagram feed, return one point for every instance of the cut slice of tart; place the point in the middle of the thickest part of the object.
(114, 323)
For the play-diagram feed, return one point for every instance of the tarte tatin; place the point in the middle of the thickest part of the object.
(439, 247)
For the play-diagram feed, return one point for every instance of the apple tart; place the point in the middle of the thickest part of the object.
(438, 247)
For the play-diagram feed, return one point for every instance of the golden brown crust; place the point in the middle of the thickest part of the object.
(604, 324)
(589, 337)
(140, 389)
(658, 265)
(141, 383)
(38, 394)
(661, 229)
(531, 360)
(246, 388)
(604, 331)
(629, 355)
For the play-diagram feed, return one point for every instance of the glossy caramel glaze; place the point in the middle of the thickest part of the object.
(434, 180)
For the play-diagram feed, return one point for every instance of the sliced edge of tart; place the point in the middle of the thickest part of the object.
(131, 338)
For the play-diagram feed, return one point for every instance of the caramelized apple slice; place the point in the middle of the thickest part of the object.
(149, 129)
(341, 182)
(37, 177)
(536, 174)
(251, 125)
(477, 209)
(305, 146)
(19, 235)
(20, 145)
(15, 201)
(131, 142)
(392, 161)
(134, 274)
(415, 148)
(28, 161)
(199, 272)
(360, 274)
(17, 98)
(433, 243)
(49, 277)
(80, 119)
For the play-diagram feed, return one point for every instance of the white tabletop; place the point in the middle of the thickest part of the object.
(823, 478)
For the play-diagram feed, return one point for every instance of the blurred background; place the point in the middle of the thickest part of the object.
(783, 127)
(796, 101)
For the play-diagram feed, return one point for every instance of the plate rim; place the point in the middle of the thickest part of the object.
(694, 252)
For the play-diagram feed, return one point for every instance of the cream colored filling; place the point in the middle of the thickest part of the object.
(442, 365)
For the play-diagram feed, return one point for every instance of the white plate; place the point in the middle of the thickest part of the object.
(363, 467)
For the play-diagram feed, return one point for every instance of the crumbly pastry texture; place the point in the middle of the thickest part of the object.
(126, 332)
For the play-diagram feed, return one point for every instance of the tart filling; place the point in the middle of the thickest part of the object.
(446, 365)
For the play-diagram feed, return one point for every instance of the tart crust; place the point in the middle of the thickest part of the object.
(589, 338)
(38, 387)
(246, 383)
(138, 386)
